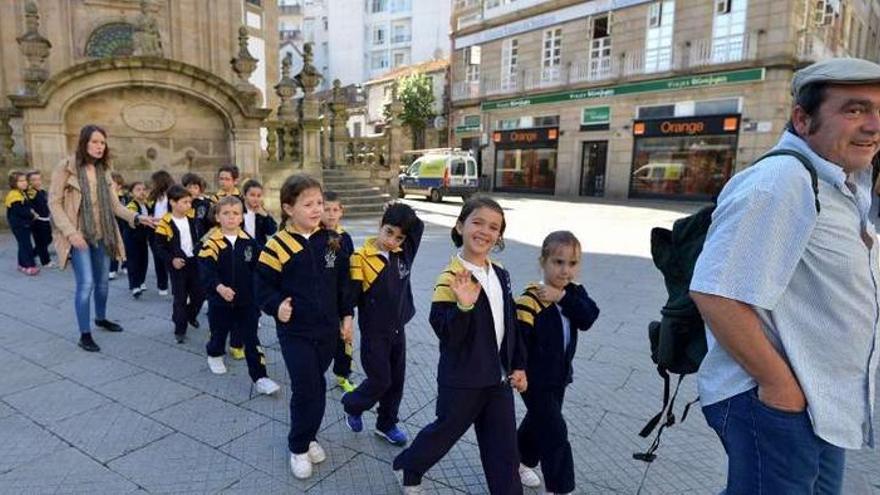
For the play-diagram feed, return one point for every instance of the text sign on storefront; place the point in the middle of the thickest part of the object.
(596, 115)
(687, 126)
(695, 81)
(526, 137)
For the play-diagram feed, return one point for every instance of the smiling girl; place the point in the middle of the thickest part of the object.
(481, 356)
(302, 281)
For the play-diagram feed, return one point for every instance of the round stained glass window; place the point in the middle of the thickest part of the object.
(111, 40)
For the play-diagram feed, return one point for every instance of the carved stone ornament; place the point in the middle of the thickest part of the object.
(286, 90)
(35, 49)
(244, 65)
(148, 117)
(147, 40)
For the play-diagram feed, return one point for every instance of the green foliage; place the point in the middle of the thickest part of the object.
(417, 96)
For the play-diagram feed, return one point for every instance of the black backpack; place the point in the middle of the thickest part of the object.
(678, 340)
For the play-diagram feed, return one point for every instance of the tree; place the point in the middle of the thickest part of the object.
(417, 96)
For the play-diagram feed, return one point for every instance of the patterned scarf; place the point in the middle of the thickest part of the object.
(105, 210)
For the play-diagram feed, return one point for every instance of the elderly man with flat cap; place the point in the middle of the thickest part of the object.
(787, 283)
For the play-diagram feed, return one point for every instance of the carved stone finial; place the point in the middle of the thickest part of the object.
(35, 49)
(286, 89)
(309, 77)
(244, 65)
(147, 40)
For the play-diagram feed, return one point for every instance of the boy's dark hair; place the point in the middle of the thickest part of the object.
(13, 178)
(190, 178)
(32, 173)
(177, 192)
(331, 196)
(134, 184)
(472, 205)
(250, 184)
(400, 215)
(232, 169)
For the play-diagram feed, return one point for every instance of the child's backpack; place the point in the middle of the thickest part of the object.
(678, 340)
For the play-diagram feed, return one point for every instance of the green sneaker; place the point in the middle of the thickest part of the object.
(345, 384)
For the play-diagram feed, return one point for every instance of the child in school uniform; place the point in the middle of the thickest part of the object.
(258, 223)
(201, 204)
(176, 235)
(160, 181)
(122, 195)
(380, 272)
(42, 226)
(21, 217)
(227, 183)
(482, 355)
(137, 240)
(226, 262)
(333, 211)
(302, 280)
(550, 315)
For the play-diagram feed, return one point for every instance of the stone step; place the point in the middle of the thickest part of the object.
(353, 186)
(361, 211)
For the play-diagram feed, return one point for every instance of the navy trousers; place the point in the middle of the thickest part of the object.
(543, 437)
(384, 362)
(491, 412)
(307, 360)
(188, 295)
(341, 359)
(42, 232)
(223, 317)
(773, 451)
(25, 247)
(138, 255)
(158, 264)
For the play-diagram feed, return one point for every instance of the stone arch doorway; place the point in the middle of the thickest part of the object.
(153, 127)
(160, 113)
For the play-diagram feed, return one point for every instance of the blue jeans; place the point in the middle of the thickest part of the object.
(771, 451)
(91, 267)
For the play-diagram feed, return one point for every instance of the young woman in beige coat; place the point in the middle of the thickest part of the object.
(84, 210)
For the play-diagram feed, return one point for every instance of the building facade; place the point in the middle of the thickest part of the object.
(155, 74)
(358, 40)
(635, 98)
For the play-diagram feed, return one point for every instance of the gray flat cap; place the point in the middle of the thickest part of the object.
(836, 71)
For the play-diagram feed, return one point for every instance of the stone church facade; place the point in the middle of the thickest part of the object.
(179, 85)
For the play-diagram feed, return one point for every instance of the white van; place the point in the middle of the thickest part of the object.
(441, 173)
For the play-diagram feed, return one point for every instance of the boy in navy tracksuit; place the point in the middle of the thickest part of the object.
(21, 217)
(482, 356)
(302, 281)
(201, 204)
(137, 240)
(333, 211)
(550, 315)
(178, 245)
(42, 227)
(226, 262)
(380, 272)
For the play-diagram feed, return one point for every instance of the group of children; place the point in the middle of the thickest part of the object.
(307, 275)
(27, 211)
(490, 342)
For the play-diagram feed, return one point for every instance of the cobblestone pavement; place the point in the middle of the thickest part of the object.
(145, 415)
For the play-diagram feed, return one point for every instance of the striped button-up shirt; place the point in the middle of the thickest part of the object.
(812, 280)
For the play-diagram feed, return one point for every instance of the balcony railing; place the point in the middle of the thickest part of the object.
(290, 35)
(401, 38)
(695, 54)
(290, 10)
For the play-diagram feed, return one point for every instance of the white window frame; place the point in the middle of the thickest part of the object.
(381, 32)
(600, 50)
(658, 39)
(509, 61)
(729, 40)
(472, 58)
(551, 56)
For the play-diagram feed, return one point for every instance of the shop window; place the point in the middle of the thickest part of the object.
(656, 112)
(471, 120)
(658, 39)
(717, 107)
(531, 169)
(507, 124)
(547, 121)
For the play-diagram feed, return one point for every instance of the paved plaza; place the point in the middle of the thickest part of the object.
(147, 416)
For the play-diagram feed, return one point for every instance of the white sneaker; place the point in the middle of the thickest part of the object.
(316, 453)
(123, 271)
(266, 386)
(216, 364)
(528, 476)
(413, 490)
(144, 286)
(51, 264)
(301, 466)
(112, 276)
(163, 292)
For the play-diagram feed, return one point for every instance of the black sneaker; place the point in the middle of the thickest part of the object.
(86, 342)
(194, 323)
(108, 325)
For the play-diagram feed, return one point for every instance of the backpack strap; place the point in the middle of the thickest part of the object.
(814, 178)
